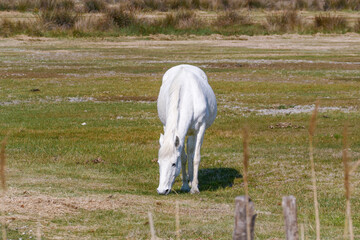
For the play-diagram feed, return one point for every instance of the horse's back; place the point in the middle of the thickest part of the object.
(197, 98)
(174, 71)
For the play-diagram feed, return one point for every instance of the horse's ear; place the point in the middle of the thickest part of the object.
(177, 141)
(161, 139)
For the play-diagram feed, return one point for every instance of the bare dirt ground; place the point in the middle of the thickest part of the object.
(33, 204)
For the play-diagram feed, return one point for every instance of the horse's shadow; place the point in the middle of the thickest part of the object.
(211, 179)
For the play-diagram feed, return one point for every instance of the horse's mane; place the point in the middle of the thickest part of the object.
(172, 118)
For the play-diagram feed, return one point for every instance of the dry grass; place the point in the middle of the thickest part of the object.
(3, 183)
(177, 220)
(3, 164)
(38, 230)
(348, 231)
(152, 228)
(94, 5)
(245, 177)
(3, 229)
(302, 232)
(348, 171)
(313, 175)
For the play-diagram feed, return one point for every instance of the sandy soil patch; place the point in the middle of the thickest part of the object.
(299, 109)
(287, 41)
(325, 42)
(231, 62)
(34, 205)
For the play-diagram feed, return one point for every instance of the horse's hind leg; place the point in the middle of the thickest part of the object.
(185, 186)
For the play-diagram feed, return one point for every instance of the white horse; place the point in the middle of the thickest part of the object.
(187, 107)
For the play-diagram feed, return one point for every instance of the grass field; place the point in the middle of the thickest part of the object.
(82, 127)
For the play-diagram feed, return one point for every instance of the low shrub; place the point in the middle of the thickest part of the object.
(357, 26)
(66, 4)
(58, 18)
(177, 4)
(57, 13)
(25, 5)
(47, 4)
(330, 23)
(354, 5)
(258, 4)
(19, 5)
(159, 5)
(301, 4)
(121, 17)
(166, 5)
(94, 5)
(316, 5)
(231, 17)
(5, 5)
(286, 21)
(135, 4)
(90, 24)
(9, 28)
(182, 19)
(342, 4)
(335, 4)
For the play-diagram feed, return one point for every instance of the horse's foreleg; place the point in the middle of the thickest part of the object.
(197, 157)
(185, 186)
(190, 147)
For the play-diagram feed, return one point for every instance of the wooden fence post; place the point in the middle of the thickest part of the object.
(290, 216)
(240, 229)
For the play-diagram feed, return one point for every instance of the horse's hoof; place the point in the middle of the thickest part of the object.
(194, 190)
(185, 188)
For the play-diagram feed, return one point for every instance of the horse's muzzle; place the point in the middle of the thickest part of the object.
(166, 192)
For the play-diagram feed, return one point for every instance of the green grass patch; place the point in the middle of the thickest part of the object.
(83, 137)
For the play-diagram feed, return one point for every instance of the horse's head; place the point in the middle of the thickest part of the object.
(169, 163)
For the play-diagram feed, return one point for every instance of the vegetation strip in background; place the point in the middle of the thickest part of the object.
(141, 18)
